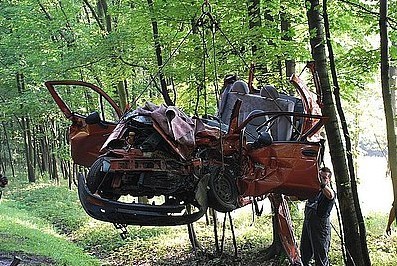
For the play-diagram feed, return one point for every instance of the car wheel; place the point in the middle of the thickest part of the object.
(222, 194)
(98, 181)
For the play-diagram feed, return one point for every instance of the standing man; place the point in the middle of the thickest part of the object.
(316, 232)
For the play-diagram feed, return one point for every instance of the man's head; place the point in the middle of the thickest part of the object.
(325, 175)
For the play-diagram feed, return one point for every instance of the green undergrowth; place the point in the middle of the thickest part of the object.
(55, 203)
(382, 248)
(22, 232)
(47, 220)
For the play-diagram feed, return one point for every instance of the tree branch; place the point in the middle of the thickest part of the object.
(392, 26)
(45, 11)
(85, 65)
(50, 18)
(359, 6)
(369, 11)
(94, 14)
(131, 64)
(64, 14)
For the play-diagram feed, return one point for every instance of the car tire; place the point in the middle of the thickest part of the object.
(96, 179)
(223, 193)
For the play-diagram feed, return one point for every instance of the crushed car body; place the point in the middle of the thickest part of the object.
(259, 143)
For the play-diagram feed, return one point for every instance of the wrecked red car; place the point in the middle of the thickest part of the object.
(259, 143)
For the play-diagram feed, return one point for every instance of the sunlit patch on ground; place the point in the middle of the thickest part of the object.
(375, 187)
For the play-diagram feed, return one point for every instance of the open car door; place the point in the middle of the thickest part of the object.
(284, 162)
(287, 167)
(93, 115)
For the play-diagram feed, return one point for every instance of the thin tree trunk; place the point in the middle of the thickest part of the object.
(387, 97)
(3, 156)
(43, 149)
(27, 149)
(39, 148)
(26, 133)
(289, 63)
(104, 16)
(338, 156)
(53, 166)
(71, 174)
(122, 92)
(29, 138)
(34, 153)
(159, 56)
(255, 22)
(393, 86)
(349, 153)
(8, 149)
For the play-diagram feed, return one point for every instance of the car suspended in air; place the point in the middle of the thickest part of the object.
(257, 144)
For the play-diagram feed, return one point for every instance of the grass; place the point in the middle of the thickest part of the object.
(57, 204)
(22, 233)
(46, 220)
(382, 248)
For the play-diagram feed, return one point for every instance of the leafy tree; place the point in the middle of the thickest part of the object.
(111, 44)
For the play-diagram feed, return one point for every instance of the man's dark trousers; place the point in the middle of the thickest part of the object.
(315, 239)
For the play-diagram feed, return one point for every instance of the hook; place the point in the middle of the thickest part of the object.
(205, 5)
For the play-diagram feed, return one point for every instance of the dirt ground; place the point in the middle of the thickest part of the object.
(25, 260)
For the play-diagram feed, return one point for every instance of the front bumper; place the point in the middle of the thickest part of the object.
(134, 213)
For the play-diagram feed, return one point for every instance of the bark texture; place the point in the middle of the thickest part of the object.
(337, 152)
(387, 96)
(346, 134)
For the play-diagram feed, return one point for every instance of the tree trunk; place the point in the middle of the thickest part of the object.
(26, 133)
(35, 153)
(254, 17)
(337, 152)
(104, 16)
(3, 156)
(53, 165)
(43, 149)
(30, 159)
(7, 140)
(349, 153)
(106, 19)
(393, 85)
(387, 97)
(157, 46)
(290, 62)
(255, 23)
(122, 92)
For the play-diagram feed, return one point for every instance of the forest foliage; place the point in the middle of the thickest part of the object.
(153, 49)
(111, 44)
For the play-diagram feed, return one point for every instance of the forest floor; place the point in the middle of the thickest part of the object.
(44, 224)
